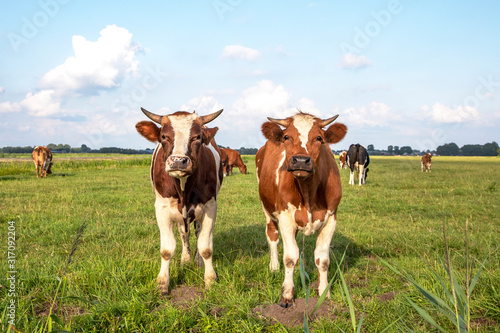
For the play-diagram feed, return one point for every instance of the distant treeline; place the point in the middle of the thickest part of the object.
(448, 149)
(451, 149)
(63, 149)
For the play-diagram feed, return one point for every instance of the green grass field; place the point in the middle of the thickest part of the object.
(100, 215)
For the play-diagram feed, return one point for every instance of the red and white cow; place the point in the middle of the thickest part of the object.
(42, 157)
(426, 162)
(343, 159)
(186, 174)
(300, 189)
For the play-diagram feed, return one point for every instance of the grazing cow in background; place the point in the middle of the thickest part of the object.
(358, 160)
(42, 157)
(224, 159)
(343, 159)
(186, 174)
(426, 162)
(300, 189)
(234, 160)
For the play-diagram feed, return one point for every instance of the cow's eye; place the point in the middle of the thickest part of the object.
(198, 137)
(286, 137)
(163, 136)
(319, 138)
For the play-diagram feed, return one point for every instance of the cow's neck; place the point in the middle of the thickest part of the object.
(184, 187)
(307, 190)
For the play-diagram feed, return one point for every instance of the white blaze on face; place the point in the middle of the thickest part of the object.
(303, 123)
(182, 133)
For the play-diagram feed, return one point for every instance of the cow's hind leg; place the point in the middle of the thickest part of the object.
(351, 178)
(272, 236)
(322, 253)
(288, 232)
(361, 174)
(167, 248)
(205, 240)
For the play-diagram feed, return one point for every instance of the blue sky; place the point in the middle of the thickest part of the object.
(398, 72)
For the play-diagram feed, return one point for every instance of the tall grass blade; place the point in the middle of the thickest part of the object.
(348, 297)
(476, 277)
(424, 314)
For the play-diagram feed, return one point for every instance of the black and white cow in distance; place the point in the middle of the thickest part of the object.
(358, 160)
(186, 174)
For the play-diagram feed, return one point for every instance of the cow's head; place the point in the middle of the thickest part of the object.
(303, 135)
(181, 135)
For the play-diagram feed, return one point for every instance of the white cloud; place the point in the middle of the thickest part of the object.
(376, 114)
(96, 65)
(41, 104)
(444, 114)
(352, 61)
(264, 99)
(202, 105)
(239, 52)
(8, 107)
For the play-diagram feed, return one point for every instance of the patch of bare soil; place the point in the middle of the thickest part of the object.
(294, 315)
(67, 311)
(184, 296)
(387, 296)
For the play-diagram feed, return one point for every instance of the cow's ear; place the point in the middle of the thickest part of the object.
(208, 134)
(149, 130)
(272, 131)
(335, 133)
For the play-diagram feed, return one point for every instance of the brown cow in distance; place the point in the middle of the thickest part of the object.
(234, 160)
(426, 162)
(186, 174)
(42, 157)
(343, 159)
(300, 189)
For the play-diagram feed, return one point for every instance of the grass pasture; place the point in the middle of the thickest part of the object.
(100, 214)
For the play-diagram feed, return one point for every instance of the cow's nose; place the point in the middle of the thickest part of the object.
(178, 162)
(300, 162)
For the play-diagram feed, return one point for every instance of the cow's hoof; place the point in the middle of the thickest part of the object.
(285, 303)
(163, 290)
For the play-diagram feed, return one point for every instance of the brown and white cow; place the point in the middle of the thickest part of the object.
(186, 174)
(426, 162)
(300, 189)
(234, 160)
(42, 157)
(343, 159)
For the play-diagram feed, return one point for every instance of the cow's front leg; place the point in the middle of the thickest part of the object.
(186, 255)
(288, 232)
(272, 236)
(205, 240)
(167, 247)
(322, 253)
